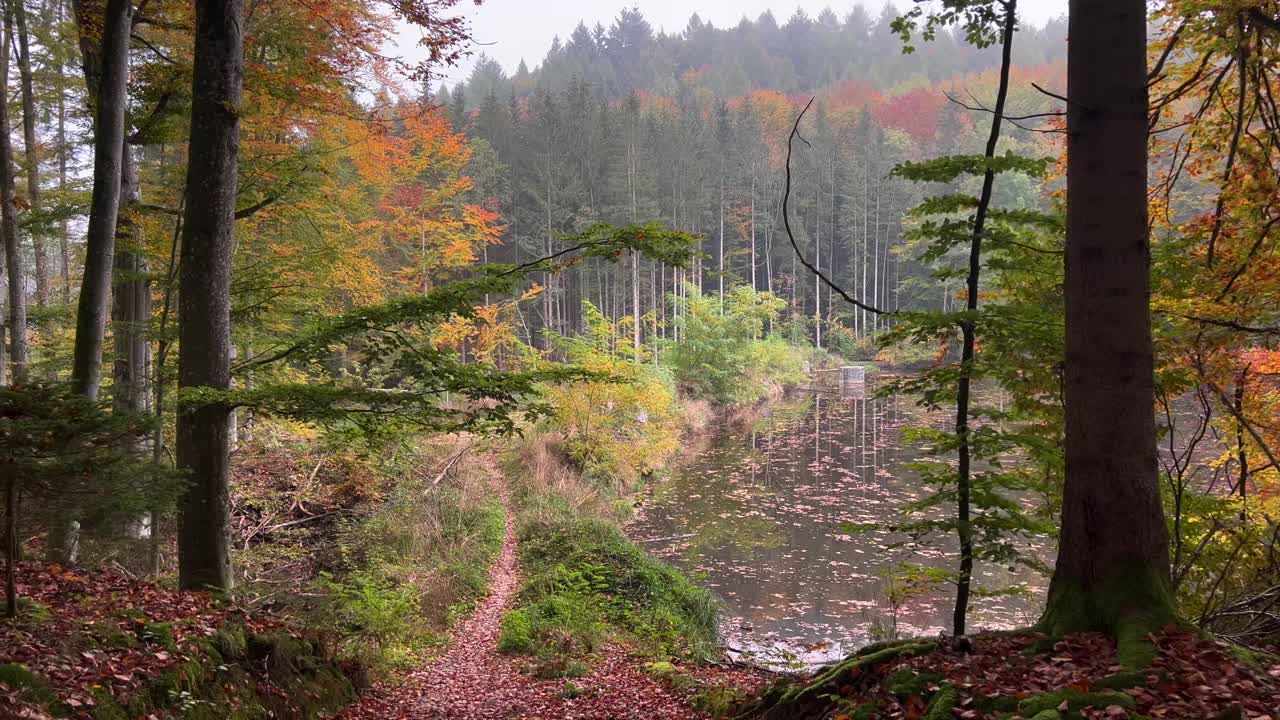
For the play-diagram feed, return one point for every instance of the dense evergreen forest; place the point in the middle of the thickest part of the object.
(910, 364)
(622, 124)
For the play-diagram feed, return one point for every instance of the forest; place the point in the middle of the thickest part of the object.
(914, 363)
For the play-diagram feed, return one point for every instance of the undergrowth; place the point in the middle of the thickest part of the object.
(586, 583)
(395, 545)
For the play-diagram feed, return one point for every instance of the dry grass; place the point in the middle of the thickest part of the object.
(545, 483)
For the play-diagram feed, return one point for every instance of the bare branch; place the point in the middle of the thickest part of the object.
(786, 223)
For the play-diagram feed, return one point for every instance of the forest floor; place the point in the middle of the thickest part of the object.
(473, 681)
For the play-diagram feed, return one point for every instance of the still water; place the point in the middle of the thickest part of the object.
(762, 516)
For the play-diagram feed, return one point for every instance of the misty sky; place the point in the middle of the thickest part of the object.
(512, 30)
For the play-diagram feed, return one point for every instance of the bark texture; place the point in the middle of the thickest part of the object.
(204, 305)
(9, 227)
(31, 149)
(106, 74)
(1113, 558)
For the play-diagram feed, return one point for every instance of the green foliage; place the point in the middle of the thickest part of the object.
(1074, 701)
(405, 379)
(952, 167)
(723, 355)
(623, 422)
(1018, 337)
(585, 581)
(370, 608)
(406, 569)
(515, 635)
(980, 19)
(64, 451)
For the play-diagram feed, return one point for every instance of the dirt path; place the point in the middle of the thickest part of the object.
(473, 681)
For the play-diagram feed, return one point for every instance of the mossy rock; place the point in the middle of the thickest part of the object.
(1074, 700)
(225, 681)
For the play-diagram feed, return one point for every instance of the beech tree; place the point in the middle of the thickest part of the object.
(9, 226)
(204, 304)
(1112, 572)
(106, 71)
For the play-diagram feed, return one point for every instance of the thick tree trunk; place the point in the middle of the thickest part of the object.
(204, 305)
(31, 150)
(1112, 573)
(106, 74)
(9, 226)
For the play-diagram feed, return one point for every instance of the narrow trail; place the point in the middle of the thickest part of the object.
(473, 681)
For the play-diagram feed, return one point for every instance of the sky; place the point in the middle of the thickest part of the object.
(511, 30)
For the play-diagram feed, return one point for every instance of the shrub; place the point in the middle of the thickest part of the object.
(722, 354)
(515, 635)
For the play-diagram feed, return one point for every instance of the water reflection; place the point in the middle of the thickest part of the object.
(763, 515)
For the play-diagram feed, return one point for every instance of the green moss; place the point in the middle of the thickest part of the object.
(1047, 715)
(231, 642)
(941, 705)
(559, 666)
(1123, 680)
(1000, 704)
(1253, 658)
(1074, 700)
(1128, 606)
(105, 706)
(157, 633)
(718, 702)
(237, 675)
(30, 685)
(571, 690)
(32, 611)
(812, 697)
(905, 682)
(586, 581)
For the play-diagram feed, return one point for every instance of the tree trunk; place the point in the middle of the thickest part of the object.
(31, 150)
(1112, 573)
(9, 226)
(11, 547)
(131, 303)
(106, 75)
(64, 242)
(204, 305)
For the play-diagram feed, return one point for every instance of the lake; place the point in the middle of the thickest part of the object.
(762, 517)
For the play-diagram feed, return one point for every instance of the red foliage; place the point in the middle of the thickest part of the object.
(1191, 677)
(85, 604)
(915, 112)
